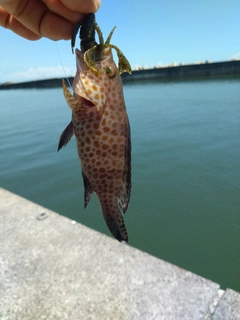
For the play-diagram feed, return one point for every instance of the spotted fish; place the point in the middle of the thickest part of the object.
(101, 126)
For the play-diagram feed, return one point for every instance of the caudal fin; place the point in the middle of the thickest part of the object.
(115, 223)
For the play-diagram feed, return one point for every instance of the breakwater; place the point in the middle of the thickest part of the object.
(203, 70)
(196, 71)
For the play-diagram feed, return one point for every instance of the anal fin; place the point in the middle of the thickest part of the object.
(88, 189)
(66, 136)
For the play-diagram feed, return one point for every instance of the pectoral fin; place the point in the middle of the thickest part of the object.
(77, 107)
(71, 101)
(66, 136)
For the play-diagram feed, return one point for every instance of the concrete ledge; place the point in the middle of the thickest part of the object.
(53, 268)
(228, 307)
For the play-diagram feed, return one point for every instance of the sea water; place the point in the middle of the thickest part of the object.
(185, 203)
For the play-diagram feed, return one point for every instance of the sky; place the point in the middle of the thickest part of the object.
(149, 33)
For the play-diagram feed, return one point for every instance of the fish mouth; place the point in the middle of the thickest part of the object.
(81, 95)
(83, 89)
(87, 103)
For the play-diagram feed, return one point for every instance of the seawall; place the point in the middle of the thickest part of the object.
(197, 71)
(203, 71)
(54, 268)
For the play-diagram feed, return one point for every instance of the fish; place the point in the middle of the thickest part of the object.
(101, 126)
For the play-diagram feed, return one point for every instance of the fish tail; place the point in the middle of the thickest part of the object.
(115, 222)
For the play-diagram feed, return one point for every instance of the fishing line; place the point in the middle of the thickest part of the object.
(66, 77)
(126, 274)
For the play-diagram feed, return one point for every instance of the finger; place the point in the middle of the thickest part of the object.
(55, 27)
(29, 12)
(82, 6)
(60, 9)
(36, 17)
(67, 9)
(8, 22)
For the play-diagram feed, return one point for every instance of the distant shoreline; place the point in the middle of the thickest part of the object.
(196, 71)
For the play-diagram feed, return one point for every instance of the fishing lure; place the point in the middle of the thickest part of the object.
(100, 124)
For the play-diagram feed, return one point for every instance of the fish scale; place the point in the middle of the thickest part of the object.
(100, 124)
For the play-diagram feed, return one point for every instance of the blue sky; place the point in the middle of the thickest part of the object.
(150, 33)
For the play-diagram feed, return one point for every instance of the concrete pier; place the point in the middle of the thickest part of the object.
(54, 268)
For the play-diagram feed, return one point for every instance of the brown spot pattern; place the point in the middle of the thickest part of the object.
(103, 142)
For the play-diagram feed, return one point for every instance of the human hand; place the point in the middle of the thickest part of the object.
(53, 19)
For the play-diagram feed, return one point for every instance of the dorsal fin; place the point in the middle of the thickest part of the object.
(125, 193)
(66, 136)
(88, 189)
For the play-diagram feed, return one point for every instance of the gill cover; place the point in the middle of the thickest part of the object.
(87, 83)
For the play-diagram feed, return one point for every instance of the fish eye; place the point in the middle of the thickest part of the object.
(110, 72)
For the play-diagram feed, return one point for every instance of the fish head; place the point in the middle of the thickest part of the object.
(93, 85)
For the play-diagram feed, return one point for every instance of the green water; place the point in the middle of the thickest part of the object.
(185, 204)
